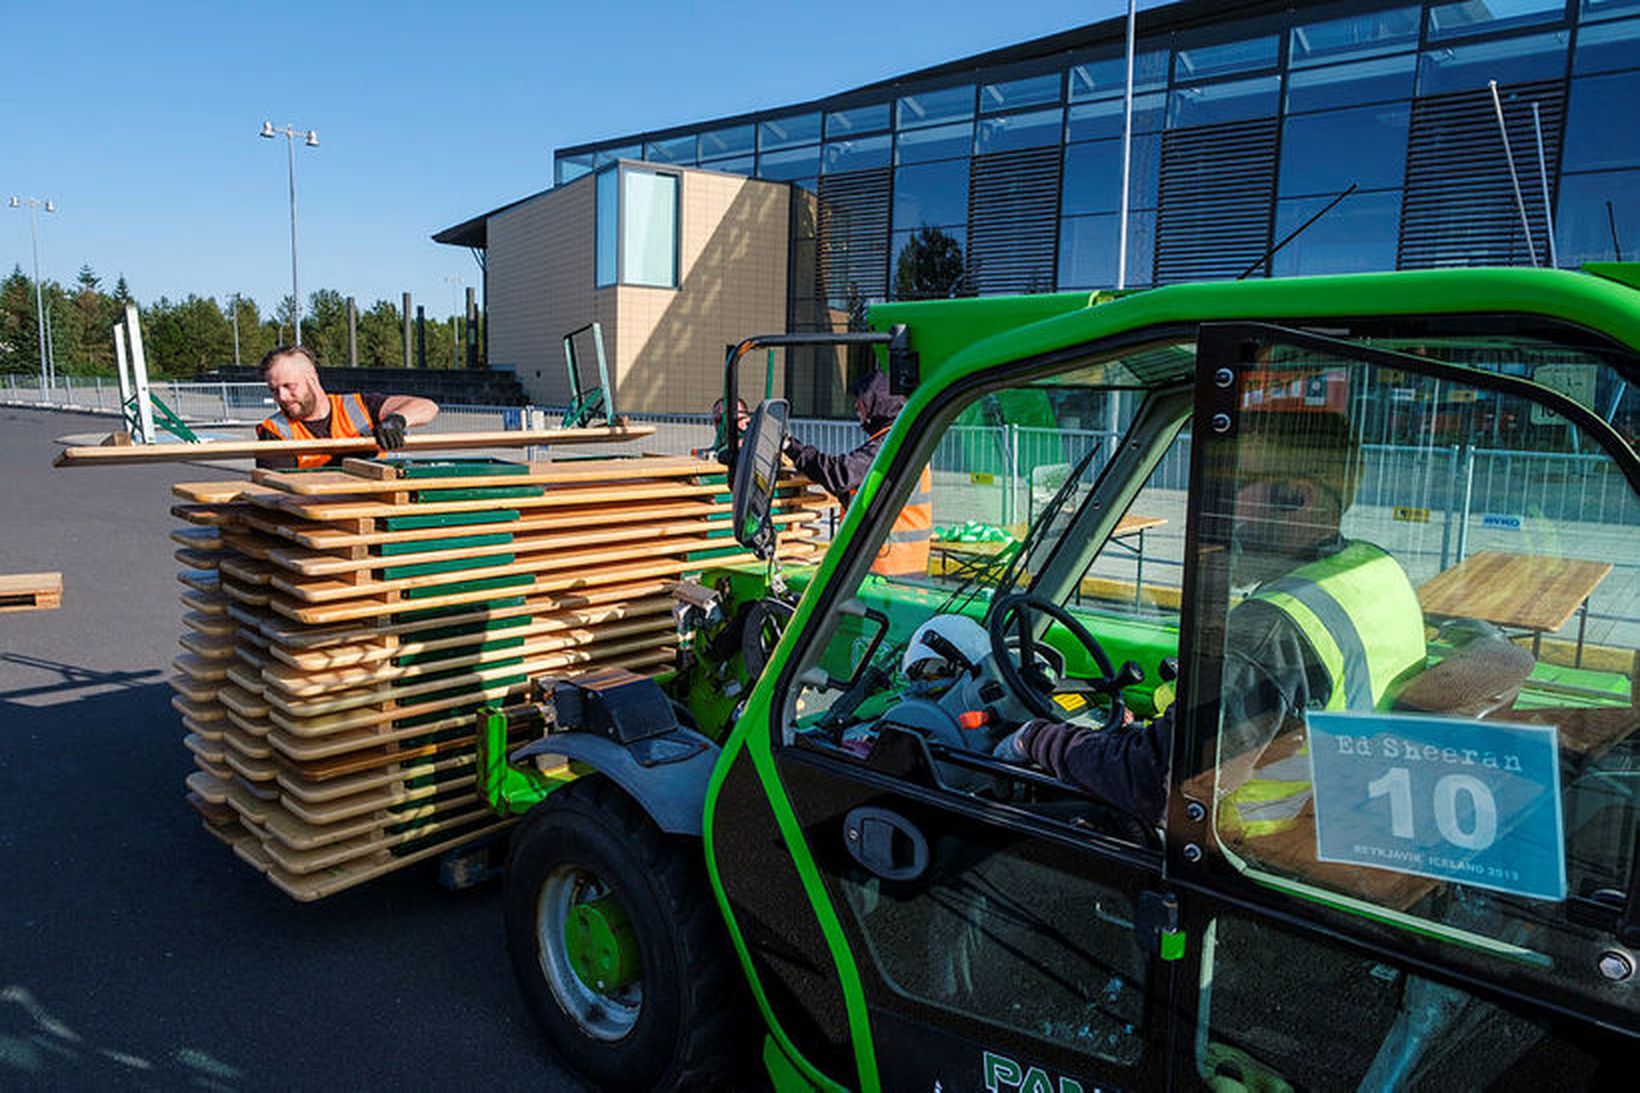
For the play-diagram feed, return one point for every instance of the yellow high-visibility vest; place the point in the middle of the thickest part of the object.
(1361, 617)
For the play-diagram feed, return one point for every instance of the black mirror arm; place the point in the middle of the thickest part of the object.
(737, 353)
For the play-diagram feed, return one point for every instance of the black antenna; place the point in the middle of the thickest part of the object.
(1271, 253)
(1611, 224)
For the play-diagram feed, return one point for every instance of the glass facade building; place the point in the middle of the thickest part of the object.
(1003, 172)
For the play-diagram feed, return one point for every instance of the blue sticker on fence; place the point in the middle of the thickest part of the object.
(1470, 801)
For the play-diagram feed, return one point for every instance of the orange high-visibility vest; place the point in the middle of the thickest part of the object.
(348, 419)
(905, 553)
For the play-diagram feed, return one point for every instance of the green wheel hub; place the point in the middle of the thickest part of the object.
(602, 950)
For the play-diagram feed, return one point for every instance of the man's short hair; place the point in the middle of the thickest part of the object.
(285, 351)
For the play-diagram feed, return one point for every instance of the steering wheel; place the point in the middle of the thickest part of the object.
(1013, 663)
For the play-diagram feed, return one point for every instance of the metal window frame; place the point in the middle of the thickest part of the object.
(619, 168)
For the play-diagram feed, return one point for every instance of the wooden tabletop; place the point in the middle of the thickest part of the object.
(1530, 591)
(1127, 525)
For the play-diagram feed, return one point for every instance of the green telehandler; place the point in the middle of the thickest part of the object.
(816, 853)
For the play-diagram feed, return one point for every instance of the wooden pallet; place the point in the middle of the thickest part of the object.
(30, 592)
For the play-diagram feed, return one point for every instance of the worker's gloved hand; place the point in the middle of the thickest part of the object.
(389, 431)
(1011, 748)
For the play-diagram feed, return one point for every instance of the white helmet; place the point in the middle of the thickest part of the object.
(950, 632)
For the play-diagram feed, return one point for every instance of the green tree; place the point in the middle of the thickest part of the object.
(255, 338)
(184, 339)
(324, 327)
(19, 330)
(931, 267)
(92, 319)
(381, 336)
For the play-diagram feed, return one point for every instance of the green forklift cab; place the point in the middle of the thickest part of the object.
(1417, 869)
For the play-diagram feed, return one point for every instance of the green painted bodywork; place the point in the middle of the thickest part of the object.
(957, 340)
(509, 789)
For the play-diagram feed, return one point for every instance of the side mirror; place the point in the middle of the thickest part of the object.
(757, 469)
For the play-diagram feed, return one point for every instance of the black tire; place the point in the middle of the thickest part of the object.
(677, 1030)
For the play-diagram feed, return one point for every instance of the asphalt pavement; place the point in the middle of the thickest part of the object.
(138, 951)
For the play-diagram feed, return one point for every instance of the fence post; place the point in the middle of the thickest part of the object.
(1468, 498)
(1010, 500)
(222, 388)
(1454, 454)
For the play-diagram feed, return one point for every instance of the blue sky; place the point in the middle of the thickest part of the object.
(140, 120)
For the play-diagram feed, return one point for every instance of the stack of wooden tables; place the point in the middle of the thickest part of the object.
(341, 628)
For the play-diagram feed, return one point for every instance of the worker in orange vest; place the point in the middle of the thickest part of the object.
(906, 551)
(306, 412)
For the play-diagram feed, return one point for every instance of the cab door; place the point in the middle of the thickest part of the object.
(994, 948)
(919, 915)
(1432, 887)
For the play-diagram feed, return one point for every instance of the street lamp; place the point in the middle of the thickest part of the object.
(34, 203)
(290, 133)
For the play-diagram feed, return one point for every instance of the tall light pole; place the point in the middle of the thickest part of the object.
(234, 314)
(34, 203)
(311, 139)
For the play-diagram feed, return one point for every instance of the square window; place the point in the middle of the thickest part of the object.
(857, 120)
(1030, 91)
(934, 106)
(1032, 129)
(1354, 37)
(788, 132)
(940, 142)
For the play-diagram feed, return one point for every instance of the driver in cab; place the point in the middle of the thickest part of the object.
(1325, 623)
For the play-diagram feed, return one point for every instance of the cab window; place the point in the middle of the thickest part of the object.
(1069, 489)
(1424, 596)
(1267, 996)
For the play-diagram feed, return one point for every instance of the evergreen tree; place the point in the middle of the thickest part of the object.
(187, 338)
(931, 267)
(93, 317)
(381, 341)
(19, 330)
(324, 327)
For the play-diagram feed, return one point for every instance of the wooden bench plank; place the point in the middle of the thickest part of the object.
(415, 442)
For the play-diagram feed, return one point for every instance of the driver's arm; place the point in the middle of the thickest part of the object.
(1127, 769)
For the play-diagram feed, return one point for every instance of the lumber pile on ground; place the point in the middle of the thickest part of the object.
(30, 591)
(342, 627)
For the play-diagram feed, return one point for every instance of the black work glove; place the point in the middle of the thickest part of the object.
(389, 431)
(1015, 747)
